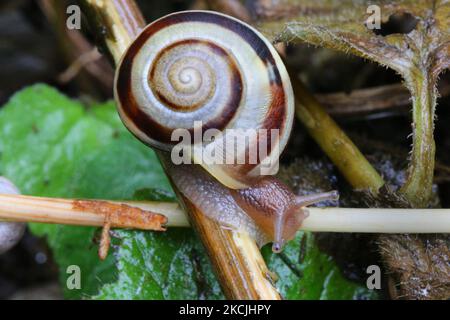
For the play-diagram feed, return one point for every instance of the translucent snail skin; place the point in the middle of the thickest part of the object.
(205, 66)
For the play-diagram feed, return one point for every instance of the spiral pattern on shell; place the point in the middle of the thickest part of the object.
(204, 66)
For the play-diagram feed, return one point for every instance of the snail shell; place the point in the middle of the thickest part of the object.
(205, 66)
(10, 232)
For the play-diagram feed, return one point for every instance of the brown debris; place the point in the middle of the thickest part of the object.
(369, 100)
(77, 66)
(420, 265)
(271, 10)
(231, 7)
(105, 242)
(122, 215)
(91, 70)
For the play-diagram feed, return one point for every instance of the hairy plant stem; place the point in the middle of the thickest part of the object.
(418, 186)
(237, 260)
(334, 142)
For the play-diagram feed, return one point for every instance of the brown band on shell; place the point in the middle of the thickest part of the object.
(276, 114)
(149, 126)
(236, 80)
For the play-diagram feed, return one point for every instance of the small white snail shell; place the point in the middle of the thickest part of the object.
(205, 66)
(10, 232)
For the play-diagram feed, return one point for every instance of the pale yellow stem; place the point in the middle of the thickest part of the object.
(94, 213)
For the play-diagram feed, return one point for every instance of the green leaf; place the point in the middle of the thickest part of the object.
(306, 273)
(52, 146)
(44, 138)
(162, 266)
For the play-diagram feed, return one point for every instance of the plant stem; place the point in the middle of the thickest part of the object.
(116, 24)
(386, 98)
(141, 215)
(135, 215)
(93, 75)
(236, 259)
(240, 268)
(418, 186)
(377, 220)
(334, 142)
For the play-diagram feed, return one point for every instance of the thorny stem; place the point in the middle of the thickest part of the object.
(237, 261)
(418, 186)
(334, 142)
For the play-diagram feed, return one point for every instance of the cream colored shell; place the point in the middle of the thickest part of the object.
(205, 66)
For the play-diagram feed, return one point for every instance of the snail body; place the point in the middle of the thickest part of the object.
(268, 211)
(204, 67)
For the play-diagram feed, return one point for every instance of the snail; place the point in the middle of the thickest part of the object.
(202, 71)
(10, 232)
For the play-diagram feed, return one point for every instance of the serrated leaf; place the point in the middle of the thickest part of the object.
(419, 56)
